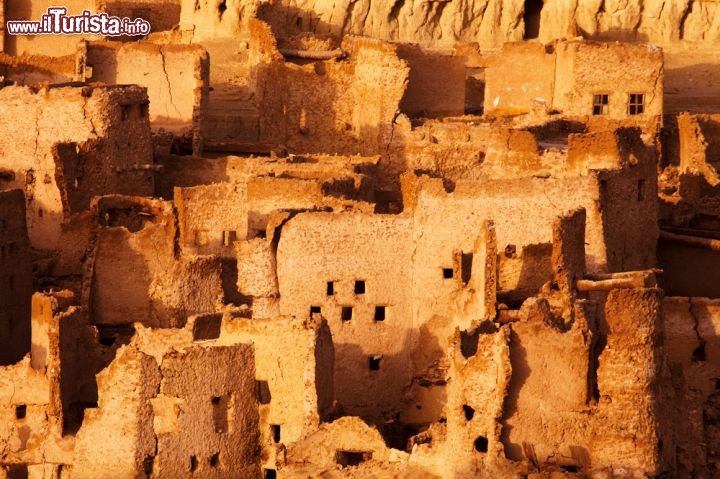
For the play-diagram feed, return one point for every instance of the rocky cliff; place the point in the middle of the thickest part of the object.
(493, 22)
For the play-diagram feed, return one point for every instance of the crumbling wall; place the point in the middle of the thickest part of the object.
(345, 106)
(690, 328)
(32, 413)
(523, 211)
(136, 276)
(211, 19)
(436, 83)
(207, 427)
(362, 288)
(547, 417)
(110, 136)
(155, 417)
(36, 69)
(630, 211)
(628, 381)
(187, 171)
(213, 217)
(176, 78)
(294, 371)
(15, 278)
(117, 437)
(473, 410)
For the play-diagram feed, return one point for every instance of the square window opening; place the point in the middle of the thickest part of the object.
(374, 363)
(351, 458)
(379, 313)
(315, 310)
(447, 273)
(601, 104)
(270, 474)
(263, 392)
(275, 433)
(636, 104)
(20, 411)
(346, 313)
(360, 287)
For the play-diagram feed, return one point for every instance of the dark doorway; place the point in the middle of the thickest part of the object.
(531, 17)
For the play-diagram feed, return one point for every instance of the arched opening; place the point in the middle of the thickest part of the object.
(531, 17)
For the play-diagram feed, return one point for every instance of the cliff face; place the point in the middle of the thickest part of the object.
(493, 22)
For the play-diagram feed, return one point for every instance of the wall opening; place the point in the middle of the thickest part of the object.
(641, 190)
(469, 412)
(466, 262)
(447, 273)
(275, 428)
(20, 411)
(220, 407)
(330, 288)
(207, 327)
(469, 343)
(315, 310)
(263, 392)
(531, 17)
(17, 471)
(270, 474)
(379, 313)
(215, 460)
(148, 464)
(352, 458)
(698, 353)
(601, 104)
(193, 463)
(346, 313)
(229, 237)
(360, 287)
(374, 362)
(636, 103)
(481, 444)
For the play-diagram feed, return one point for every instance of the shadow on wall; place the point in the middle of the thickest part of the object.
(692, 88)
(382, 388)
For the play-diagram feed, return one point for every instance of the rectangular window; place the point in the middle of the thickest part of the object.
(330, 288)
(600, 104)
(359, 287)
(346, 313)
(379, 313)
(636, 104)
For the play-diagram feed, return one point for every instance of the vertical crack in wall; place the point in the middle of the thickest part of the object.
(169, 84)
(698, 353)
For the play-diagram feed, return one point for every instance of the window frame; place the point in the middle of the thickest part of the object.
(636, 104)
(601, 104)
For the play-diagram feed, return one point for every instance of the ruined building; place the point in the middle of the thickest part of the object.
(438, 239)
